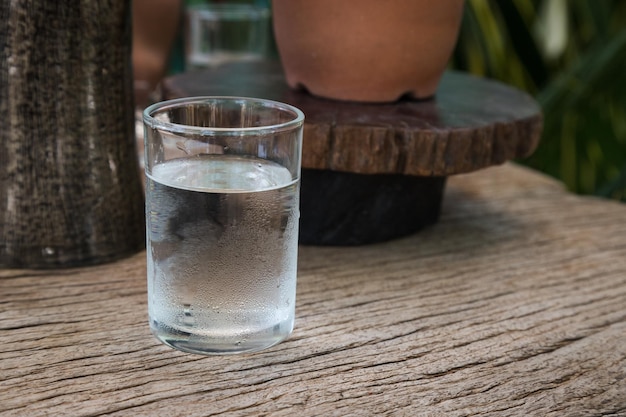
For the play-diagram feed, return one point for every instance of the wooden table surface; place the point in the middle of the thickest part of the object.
(513, 304)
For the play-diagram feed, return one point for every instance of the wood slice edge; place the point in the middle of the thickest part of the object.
(430, 152)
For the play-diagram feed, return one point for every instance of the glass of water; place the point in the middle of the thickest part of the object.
(222, 212)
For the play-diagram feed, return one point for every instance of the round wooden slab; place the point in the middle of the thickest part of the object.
(472, 123)
(373, 172)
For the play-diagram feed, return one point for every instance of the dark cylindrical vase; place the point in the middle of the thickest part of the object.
(70, 190)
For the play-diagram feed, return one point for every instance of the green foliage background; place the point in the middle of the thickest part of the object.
(571, 56)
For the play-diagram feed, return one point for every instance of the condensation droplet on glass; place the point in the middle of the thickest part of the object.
(188, 318)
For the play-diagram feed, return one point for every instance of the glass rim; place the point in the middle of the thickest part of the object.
(155, 123)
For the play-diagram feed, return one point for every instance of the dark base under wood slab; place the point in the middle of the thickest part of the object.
(343, 208)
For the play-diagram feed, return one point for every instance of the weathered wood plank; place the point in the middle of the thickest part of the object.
(513, 304)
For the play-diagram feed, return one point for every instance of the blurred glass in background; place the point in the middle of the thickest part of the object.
(218, 33)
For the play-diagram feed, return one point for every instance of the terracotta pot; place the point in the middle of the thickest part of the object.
(366, 50)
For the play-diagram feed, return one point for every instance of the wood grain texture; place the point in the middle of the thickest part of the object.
(70, 191)
(471, 123)
(513, 304)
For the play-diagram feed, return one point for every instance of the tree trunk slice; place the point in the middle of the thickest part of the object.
(472, 123)
(373, 172)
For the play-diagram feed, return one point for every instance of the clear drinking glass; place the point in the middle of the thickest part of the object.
(226, 32)
(222, 212)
